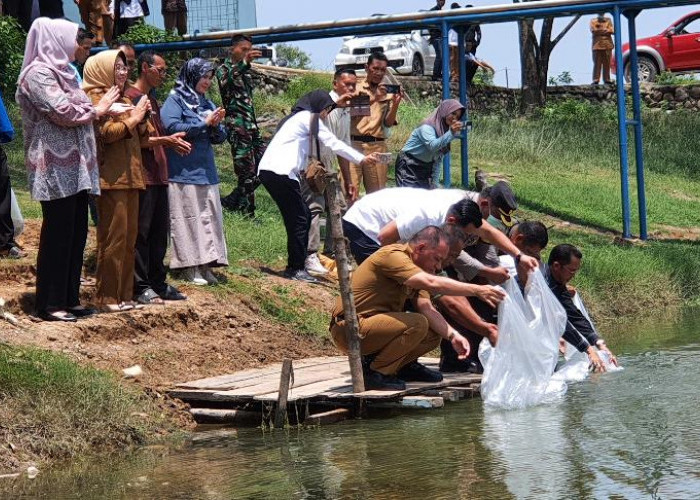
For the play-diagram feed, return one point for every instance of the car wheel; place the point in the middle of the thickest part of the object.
(417, 68)
(646, 67)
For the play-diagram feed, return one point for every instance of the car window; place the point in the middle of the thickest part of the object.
(692, 27)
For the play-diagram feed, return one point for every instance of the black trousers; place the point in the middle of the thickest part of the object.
(152, 240)
(296, 215)
(361, 245)
(448, 354)
(437, 67)
(61, 246)
(20, 10)
(7, 228)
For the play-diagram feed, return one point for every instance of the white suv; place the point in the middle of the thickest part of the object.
(408, 54)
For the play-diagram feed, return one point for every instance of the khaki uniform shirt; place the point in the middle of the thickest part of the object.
(378, 284)
(373, 124)
(602, 34)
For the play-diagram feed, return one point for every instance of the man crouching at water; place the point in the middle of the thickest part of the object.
(564, 263)
(391, 339)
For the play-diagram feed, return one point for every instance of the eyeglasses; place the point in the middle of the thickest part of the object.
(120, 68)
(161, 71)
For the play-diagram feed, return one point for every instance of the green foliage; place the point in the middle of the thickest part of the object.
(572, 110)
(483, 77)
(306, 83)
(295, 57)
(669, 78)
(147, 34)
(12, 40)
(69, 408)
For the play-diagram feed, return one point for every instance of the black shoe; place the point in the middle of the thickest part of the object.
(375, 381)
(232, 202)
(299, 275)
(82, 312)
(415, 372)
(460, 366)
(52, 316)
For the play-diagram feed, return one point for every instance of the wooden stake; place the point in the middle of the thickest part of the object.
(281, 410)
(343, 267)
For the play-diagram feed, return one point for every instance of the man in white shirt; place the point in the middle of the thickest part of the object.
(338, 122)
(128, 13)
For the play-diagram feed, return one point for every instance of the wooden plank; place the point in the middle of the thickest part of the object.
(310, 375)
(283, 394)
(445, 394)
(313, 390)
(213, 416)
(222, 381)
(192, 395)
(418, 402)
(328, 417)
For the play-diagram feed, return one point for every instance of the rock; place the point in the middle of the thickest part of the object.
(657, 95)
(132, 371)
(694, 92)
(681, 94)
(52, 338)
(32, 472)
(668, 97)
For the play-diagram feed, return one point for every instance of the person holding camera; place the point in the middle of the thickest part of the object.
(419, 162)
(369, 133)
(247, 146)
(119, 142)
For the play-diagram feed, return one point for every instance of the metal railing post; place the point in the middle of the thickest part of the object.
(445, 42)
(464, 142)
(622, 125)
(637, 123)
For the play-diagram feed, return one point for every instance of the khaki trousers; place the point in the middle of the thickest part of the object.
(601, 61)
(91, 15)
(373, 177)
(397, 338)
(117, 229)
(175, 20)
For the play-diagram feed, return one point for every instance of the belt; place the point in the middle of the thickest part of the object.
(366, 138)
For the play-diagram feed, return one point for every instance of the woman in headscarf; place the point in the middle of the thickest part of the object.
(418, 163)
(61, 161)
(283, 163)
(196, 219)
(119, 141)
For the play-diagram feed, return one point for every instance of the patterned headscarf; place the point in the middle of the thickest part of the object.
(437, 119)
(187, 80)
(52, 43)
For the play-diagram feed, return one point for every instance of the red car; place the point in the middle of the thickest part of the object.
(676, 49)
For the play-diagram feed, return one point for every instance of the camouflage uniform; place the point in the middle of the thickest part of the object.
(247, 146)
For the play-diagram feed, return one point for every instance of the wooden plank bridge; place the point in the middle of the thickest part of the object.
(321, 387)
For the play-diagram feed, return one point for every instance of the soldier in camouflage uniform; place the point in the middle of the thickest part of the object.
(247, 147)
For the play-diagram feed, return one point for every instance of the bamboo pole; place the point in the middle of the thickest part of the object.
(342, 262)
(281, 410)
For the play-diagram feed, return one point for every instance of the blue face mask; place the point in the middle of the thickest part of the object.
(497, 223)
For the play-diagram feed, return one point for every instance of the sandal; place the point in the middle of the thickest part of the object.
(171, 293)
(115, 308)
(133, 305)
(56, 316)
(149, 297)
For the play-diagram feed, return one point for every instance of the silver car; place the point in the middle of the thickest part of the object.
(408, 53)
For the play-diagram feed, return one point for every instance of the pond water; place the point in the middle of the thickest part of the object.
(631, 434)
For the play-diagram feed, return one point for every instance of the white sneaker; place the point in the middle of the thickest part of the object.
(208, 275)
(313, 265)
(193, 275)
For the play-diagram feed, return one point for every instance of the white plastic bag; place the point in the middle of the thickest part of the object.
(16, 214)
(518, 371)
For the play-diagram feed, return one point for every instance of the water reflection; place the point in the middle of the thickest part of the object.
(630, 434)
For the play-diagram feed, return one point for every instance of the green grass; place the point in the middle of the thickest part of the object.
(52, 407)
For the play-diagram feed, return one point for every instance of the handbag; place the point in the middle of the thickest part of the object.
(315, 173)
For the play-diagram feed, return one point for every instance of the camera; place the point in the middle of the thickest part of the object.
(392, 89)
(266, 53)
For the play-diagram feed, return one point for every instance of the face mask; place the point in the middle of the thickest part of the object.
(497, 223)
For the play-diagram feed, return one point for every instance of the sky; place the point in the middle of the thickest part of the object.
(499, 45)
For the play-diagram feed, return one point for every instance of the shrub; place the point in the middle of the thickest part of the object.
(668, 78)
(295, 57)
(12, 40)
(306, 83)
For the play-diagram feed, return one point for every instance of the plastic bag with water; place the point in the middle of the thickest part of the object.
(16, 214)
(518, 371)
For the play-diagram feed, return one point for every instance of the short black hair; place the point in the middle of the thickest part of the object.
(454, 234)
(563, 254)
(466, 212)
(236, 39)
(377, 56)
(432, 236)
(343, 71)
(455, 5)
(84, 34)
(534, 233)
(148, 57)
(119, 43)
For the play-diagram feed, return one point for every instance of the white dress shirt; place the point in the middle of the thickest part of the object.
(287, 153)
(131, 10)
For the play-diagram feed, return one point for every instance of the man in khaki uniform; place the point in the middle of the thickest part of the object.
(369, 133)
(391, 339)
(602, 30)
(97, 18)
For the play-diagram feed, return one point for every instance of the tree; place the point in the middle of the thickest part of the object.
(295, 57)
(534, 58)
